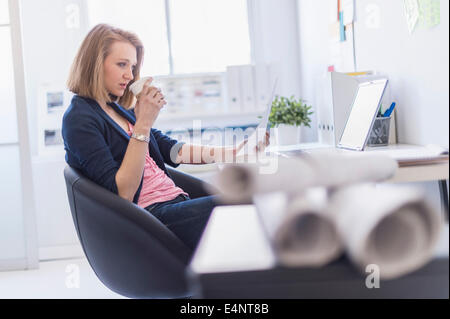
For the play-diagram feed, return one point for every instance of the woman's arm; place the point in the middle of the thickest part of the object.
(199, 154)
(129, 175)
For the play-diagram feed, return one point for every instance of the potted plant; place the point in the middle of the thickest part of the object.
(287, 116)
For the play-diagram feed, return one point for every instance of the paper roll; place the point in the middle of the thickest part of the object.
(292, 175)
(239, 182)
(307, 236)
(391, 227)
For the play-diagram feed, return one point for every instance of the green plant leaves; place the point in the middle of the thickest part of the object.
(290, 111)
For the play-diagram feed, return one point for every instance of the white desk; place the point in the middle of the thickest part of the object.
(416, 163)
(248, 250)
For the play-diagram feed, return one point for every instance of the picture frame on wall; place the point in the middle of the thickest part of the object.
(55, 101)
(52, 102)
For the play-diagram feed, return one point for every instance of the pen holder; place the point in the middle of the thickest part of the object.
(379, 135)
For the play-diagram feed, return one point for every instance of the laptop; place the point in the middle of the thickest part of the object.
(362, 115)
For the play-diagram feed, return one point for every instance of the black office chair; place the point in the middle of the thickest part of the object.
(130, 250)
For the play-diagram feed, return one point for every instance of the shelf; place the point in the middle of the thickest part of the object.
(202, 115)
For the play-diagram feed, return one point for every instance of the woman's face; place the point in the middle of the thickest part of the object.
(118, 67)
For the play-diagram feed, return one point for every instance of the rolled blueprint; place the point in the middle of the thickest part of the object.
(293, 175)
(239, 182)
(389, 226)
(299, 229)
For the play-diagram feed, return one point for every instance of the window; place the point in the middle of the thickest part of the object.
(16, 223)
(145, 18)
(8, 133)
(208, 35)
(203, 35)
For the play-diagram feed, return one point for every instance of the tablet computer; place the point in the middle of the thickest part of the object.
(362, 115)
(264, 126)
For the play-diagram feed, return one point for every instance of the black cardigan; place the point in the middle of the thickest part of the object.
(96, 145)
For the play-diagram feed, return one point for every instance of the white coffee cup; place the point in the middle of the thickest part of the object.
(137, 86)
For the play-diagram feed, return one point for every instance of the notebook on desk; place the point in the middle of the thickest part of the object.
(405, 155)
(413, 154)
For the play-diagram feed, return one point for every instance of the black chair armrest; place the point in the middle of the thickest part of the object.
(195, 186)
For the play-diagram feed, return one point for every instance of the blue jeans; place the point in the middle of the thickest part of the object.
(185, 217)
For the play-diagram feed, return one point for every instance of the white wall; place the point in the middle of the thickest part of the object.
(313, 20)
(275, 40)
(50, 42)
(417, 64)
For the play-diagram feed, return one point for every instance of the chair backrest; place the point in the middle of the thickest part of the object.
(129, 249)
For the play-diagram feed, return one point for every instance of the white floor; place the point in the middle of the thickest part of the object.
(59, 279)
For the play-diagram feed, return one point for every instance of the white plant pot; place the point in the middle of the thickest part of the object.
(287, 134)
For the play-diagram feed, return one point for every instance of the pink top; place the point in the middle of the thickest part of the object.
(157, 186)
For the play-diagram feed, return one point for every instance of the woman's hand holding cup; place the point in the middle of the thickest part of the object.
(150, 101)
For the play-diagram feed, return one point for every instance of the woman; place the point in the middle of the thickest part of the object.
(117, 147)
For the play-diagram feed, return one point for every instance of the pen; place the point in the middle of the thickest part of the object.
(380, 112)
(389, 110)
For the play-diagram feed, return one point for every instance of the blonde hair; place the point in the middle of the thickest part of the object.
(86, 72)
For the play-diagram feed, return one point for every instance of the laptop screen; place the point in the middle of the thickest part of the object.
(363, 112)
